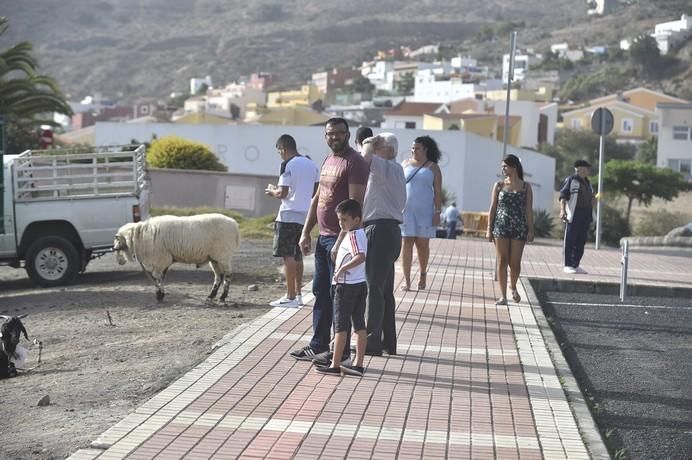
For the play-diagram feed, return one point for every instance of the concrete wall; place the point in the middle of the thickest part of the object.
(470, 163)
(193, 189)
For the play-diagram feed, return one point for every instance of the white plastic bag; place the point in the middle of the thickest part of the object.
(20, 355)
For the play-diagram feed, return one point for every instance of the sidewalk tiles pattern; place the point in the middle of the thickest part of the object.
(470, 380)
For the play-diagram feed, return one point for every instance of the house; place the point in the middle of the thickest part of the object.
(202, 118)
(522, 63)
(328, 82)
(634, 112)
(229, 101)
(261, 81)
(600, 7)
(670, 35)
(487, 125)
(410, 115)
(197, 84)
(292, 115)
(432, 86)
(305, 96)
(675, 137)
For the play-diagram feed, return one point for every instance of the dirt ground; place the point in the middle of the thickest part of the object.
(94, 373)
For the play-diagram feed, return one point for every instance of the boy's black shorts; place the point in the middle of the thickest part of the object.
(349, 306)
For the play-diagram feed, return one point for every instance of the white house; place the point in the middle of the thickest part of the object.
(669, 35)
(380, 74)
(432, 86)
(600, 7)
(675, 137)
(538, 120)
(229, 101)
(522, 63)
(470, 163)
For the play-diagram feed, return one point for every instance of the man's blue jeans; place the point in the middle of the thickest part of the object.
(322, 312)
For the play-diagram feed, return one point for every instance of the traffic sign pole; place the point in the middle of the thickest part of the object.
(602, 122)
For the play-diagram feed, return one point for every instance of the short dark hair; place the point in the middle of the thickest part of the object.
(432, 151)
(286, 142)
(337, 121)
(363, 133)
(350, 208)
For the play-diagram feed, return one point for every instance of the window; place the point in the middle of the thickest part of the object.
(627, 125)
(674, 165)
(576, 123)
(410, 125)
(681, 133)
(653, 127)
(686, 167)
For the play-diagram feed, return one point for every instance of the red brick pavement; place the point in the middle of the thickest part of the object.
(471, 380)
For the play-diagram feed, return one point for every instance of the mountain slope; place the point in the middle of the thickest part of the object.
(140, 48)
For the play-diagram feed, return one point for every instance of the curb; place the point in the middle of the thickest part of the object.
(577, 403)
(598, 287)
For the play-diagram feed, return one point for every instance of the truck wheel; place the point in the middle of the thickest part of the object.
(52, 261)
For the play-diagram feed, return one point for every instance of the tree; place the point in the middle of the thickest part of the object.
(644, 52)
(178, 153)
(406, 84)
(571, 145)
(648, 151)
(26, 97)
(642, 182)
(362, 85)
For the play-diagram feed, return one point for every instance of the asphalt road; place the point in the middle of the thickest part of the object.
(635, 360)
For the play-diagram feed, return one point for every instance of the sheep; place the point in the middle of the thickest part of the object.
(10, 334)
(160, 241)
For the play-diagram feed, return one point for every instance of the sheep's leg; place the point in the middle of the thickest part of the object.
(158, 281)
(218, 279)
(226, 286)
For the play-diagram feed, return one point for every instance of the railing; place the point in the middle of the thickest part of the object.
(40, 176)
(624, 262)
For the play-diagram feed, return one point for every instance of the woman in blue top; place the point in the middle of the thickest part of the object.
(423, 205)
(510, 224)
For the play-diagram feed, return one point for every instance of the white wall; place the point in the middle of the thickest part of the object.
(669, 148)
(470, 163)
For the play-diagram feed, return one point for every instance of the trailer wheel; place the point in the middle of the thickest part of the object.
(52, 261)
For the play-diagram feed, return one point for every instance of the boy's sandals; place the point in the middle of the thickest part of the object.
(404, 288)
(421, 281)
(515, 296)
(501, 301)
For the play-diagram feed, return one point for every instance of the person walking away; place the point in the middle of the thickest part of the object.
(344, 175)
(350, 289)
(510, 224)
(576, 210)
(298, 181)
(362, 133)
(385, 198)
(423, 206)
(451, 217)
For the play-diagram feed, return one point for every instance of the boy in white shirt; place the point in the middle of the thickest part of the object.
(350, 289)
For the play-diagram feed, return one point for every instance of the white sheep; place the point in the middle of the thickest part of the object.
(158, 242)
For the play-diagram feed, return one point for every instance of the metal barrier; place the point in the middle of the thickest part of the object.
(623, 275)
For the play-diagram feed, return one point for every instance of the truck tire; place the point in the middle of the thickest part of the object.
(52, 261)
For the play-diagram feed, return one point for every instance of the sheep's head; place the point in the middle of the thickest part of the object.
(122, 244)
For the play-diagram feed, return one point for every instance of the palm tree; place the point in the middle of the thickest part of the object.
(27, 99)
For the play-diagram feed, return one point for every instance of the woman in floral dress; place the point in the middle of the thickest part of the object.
(510, 224)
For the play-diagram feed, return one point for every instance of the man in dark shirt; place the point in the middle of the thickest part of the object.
(576, 209)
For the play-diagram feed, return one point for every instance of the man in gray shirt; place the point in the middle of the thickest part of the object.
(385, 198)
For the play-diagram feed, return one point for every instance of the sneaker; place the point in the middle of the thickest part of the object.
(286, 303)
(336, 371)
(569, 270)
(581, 271)
(299, 298)
(304, 354)
(325, 359)
(357, 371)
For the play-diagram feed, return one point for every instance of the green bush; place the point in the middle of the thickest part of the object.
(613, 227)
(177, 153)
(660, 222)
(542, 223)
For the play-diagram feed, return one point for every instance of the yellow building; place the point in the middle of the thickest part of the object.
(203, 118)
(305, 96)
(540, 95)
(633, 111)
(294, 116)
(485, 125)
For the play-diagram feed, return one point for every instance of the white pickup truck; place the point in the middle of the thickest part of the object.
(61, 210)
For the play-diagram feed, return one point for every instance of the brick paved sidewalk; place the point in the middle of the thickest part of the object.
(471, 380)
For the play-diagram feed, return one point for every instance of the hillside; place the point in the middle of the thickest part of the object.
(147, 48)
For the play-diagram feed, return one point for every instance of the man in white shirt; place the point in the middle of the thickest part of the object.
(297, 184)
(450, 216)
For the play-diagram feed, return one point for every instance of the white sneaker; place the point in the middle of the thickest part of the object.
(285, 302)
(581, 271)
(569, 270)
(299, 298)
